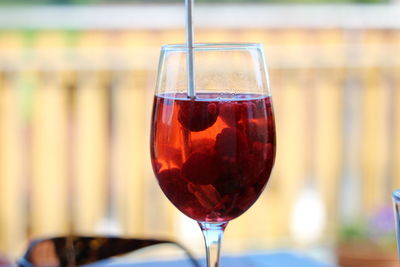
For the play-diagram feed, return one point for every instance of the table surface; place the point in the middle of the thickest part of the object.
(277, 259)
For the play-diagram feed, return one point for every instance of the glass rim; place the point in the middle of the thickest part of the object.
(396, 195)
(212, 46)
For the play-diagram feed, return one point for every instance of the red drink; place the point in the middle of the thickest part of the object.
(212, 158)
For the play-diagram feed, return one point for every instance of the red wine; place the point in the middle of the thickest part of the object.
(212, 158)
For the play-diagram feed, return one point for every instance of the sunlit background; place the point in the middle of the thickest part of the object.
(76, 88)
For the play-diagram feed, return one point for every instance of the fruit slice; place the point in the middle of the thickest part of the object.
(207, 196)
(231, 144)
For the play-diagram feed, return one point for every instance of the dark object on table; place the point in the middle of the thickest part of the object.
(79, 250)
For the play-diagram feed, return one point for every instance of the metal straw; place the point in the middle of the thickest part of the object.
(189, 43)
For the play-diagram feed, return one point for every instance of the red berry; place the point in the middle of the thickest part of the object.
(257, 109)
(230, 112)
(231, 144)
(268, 103)
(263, 151)
(212, 108)
(249, 110)
(260, 163)
(230, 180)
(174, 186)
(197, 116)
(248, 196)
(260, 130)
(200, 168)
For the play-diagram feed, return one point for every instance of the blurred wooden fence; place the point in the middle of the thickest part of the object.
(74, 124)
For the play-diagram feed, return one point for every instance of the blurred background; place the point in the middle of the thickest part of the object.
(76, 89)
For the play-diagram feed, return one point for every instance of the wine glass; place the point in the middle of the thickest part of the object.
(213, 153)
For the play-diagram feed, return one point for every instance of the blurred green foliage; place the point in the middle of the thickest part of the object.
(68, 2)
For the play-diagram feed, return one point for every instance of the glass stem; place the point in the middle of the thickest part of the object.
(213, 233)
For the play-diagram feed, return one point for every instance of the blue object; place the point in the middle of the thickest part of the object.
(280, 259)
